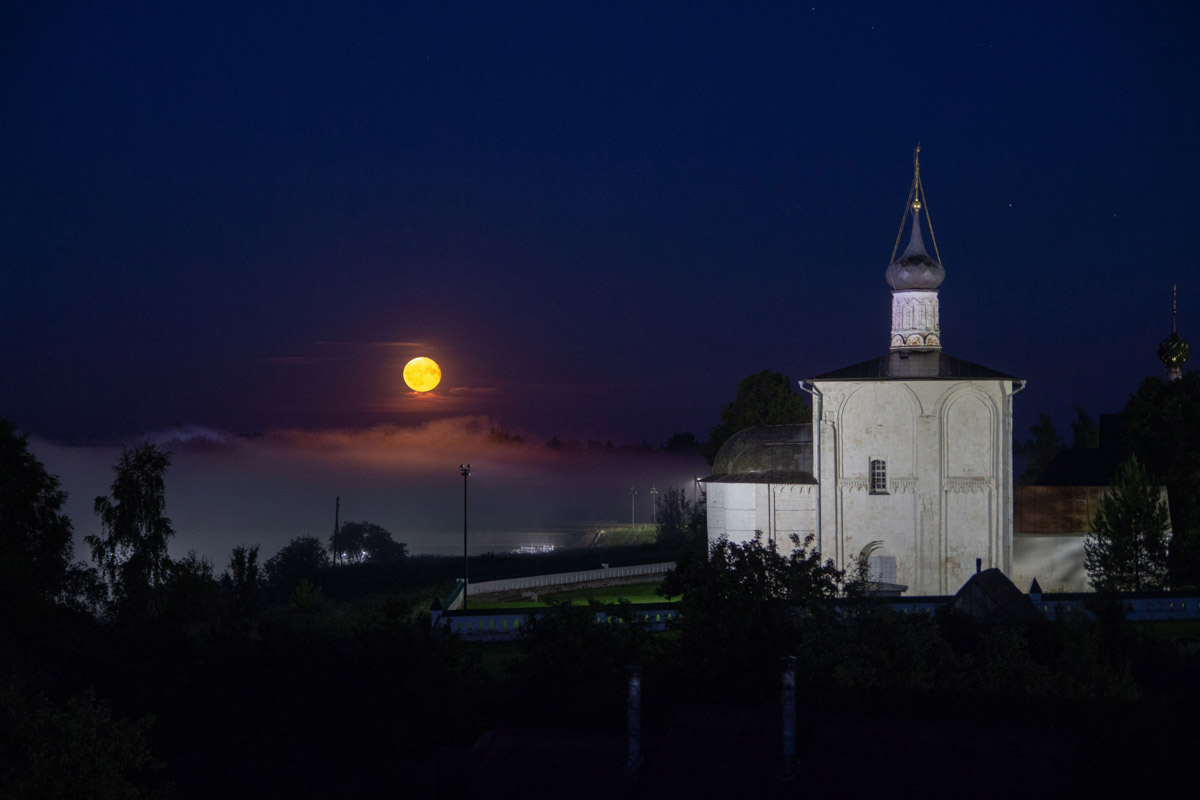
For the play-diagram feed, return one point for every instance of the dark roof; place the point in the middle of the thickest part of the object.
(991, 595)
(929, 365)
(766, 454)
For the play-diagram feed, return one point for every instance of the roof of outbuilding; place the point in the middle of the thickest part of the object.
(991, 595)
(928, 365)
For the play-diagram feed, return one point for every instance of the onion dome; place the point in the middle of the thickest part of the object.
(1174, 351)
(915, 269)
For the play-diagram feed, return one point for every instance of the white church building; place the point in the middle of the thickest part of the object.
(908, 463)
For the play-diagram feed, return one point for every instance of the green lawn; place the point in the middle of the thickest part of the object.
(633, 592)
(624, 535)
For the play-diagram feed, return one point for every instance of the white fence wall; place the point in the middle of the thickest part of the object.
(507, 624)
(568, 578)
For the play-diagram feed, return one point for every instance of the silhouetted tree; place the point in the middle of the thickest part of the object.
(1039, 450)
(678, 525)
(1085, 433)
(751, 599)
(366, 541)
(242, 579)
(1162, 427)
(35, 535)
(131, 551)
(765, 398)
(501, 436)
(191, 596)
(1126, 550)
(682, 443)
(72, 749)
(575, 669)
(301, 559)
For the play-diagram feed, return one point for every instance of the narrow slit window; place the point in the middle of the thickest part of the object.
(878, 476)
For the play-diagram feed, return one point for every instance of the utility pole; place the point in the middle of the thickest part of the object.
(653, 506)
(466, 473)
(337, 541)
(632, 507)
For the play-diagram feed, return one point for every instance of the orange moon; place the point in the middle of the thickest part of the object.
(422, 374)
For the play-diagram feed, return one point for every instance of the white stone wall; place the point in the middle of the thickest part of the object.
(737, 510)
(947, 446)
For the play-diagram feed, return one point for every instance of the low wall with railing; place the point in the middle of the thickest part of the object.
(494, 624)
(501, 623)
(568, 578)
(1137, 609)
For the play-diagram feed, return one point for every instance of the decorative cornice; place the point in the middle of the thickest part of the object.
(967, 485)
(899, 486)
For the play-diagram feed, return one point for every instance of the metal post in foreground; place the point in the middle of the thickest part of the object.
(635, 721)
(787, 768)
(466, 472)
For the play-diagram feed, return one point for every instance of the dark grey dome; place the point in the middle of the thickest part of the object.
(767, 453)
(916, 269)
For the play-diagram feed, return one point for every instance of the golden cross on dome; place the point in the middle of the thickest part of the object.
(916, 203)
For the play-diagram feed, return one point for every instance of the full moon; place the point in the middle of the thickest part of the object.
(422, 374)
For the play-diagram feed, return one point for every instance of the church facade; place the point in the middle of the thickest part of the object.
(907, 466)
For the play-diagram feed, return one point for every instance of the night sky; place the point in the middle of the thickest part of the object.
(598, 217)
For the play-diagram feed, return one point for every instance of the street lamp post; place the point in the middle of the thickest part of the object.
(632, 507)
(466, 472)
(653, 506)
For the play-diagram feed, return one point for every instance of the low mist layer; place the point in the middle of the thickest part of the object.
(225, 490)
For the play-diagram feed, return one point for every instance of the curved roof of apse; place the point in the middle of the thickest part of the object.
(766, 454)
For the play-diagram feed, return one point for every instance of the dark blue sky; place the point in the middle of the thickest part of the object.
(597, 216)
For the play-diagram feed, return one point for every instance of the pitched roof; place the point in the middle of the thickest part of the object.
(991, 595)
(901, 365)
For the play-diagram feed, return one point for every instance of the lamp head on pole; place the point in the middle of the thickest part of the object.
(466, 469)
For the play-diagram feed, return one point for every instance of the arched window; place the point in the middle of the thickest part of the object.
(879, 562)
(878, 476)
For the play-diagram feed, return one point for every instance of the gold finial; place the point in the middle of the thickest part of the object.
(916, 203)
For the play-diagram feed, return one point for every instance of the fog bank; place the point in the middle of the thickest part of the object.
(224, 490)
